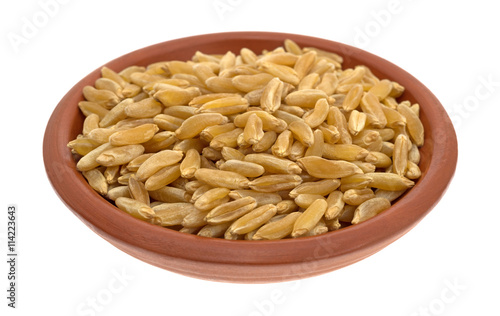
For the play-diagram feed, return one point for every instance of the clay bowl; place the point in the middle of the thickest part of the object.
(251, 261)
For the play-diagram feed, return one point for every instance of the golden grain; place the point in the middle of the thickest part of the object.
(284, 73)
(371, 106)
(270, 99)
(250, 146)
(302, 132)
(309, 218)
(317, 148)
(321, 187)
(335, 205)
(283, 145)
(135, 135)
(309, 81)
(215, 230)
(167, 122)
(253, 132)
(389, 181)
(275, 183)
(160, 141)
(319, 113)
(331, 134)
(269, 122)
(305, 200)
(96, 180)
(135, 208)
(370, 208)
(277, 229)
(253, 220)
(304, 63)
(324, 168)
(193, 126)
(357, 122)
(337, 119)
(358, 196)
(220, 178)
(260, 197)
(220, 85)
(231, 210)
(273, 164)
(297, 151)
(413, 171)
(353, 97)
(413, 123)
(106, 98)
(382, 89)
(171, 214)
(208, 133)
(169, 194)
(190, 163)
(286, 207)
(305, 98)
(225, 106)
(118, 191)
(156, 162)
(145, 108)
(163, 177)
(400, 155)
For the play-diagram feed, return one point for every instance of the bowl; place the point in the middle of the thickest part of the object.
(243, 261)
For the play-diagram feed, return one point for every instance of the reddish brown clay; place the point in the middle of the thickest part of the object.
(251, 261)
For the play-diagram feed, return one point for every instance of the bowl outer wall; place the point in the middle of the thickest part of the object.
(251, 261)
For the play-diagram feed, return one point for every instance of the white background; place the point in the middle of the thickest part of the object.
(447, 265)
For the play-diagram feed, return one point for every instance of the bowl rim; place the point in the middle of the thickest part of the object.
(106, 221)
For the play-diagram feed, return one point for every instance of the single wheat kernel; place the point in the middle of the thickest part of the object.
(389, 181)
(138, 190)
(277, 229)
(260, 197)
(163, 177)
(305, 98)
(305, 200)
(286, 207)
(302, 132)
(171, 214)
(253, 220)
(400, 155)
(135, 208)
(193, 126)
(413, 123)
(275, 182)
(156, 162)
(231, 210)
(283, 145)
(370, 208)
(317, 148)
(220, 178)
(119, 155)
(270, 100)
(321, 187)
(96, 180)
(211, 198)
(319, 113)
(324, 168)
(253, 132)
(358, 196)
(309, 218)
(245, 168)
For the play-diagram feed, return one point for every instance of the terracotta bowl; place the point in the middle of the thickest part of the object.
(251, 261)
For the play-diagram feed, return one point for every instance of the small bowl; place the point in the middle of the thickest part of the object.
(245, 261)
